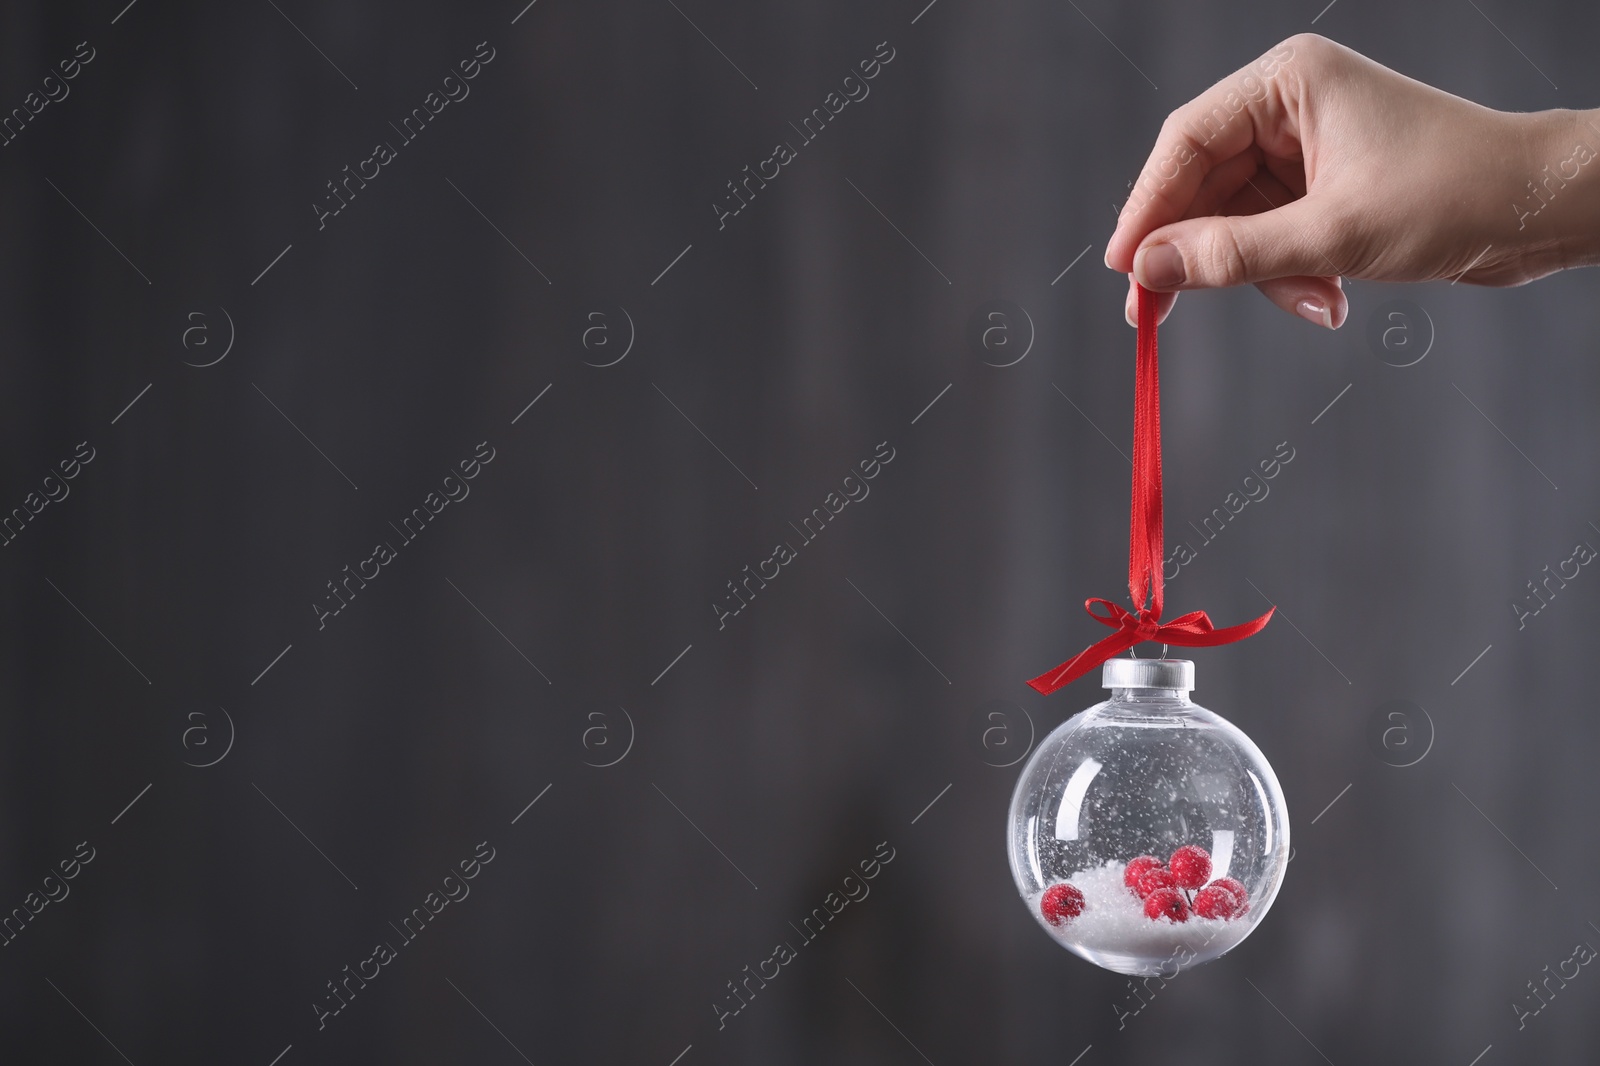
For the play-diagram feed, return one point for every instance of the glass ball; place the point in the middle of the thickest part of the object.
(1148, 834)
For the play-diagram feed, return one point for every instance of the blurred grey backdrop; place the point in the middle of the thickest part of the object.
(253, 391)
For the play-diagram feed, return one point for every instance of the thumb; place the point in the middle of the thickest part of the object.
(1222, 250)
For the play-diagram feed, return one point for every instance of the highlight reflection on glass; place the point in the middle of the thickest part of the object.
(1072, 799)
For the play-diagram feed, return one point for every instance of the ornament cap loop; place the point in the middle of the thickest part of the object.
(1148, 673)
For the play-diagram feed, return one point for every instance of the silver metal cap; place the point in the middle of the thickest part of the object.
(1123, 672)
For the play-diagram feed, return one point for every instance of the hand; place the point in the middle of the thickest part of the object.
(1315, 162)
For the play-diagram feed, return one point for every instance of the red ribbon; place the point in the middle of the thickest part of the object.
(1146, 546)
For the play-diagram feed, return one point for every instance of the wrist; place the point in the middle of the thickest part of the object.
(1555, 207)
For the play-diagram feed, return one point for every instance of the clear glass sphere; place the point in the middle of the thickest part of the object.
(1163, 820)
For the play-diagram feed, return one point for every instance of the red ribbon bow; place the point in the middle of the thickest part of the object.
(1146, 546)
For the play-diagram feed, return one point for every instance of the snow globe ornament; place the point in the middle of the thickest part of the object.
(1148, 834)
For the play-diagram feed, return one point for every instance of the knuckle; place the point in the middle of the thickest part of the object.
(1310, 45)
(1180, 143)
(1225, 254)
(1311, 52)
(1305, 41)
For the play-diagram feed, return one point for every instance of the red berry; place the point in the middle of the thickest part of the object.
(1153, 880)
(1215, 901)
(1137, 869)
(1238, 890)
(1191, 865)
(1166, 903)
(1061, 903)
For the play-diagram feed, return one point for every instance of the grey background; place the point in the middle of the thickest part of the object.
(377, 752)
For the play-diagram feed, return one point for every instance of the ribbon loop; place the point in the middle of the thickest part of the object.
(1114, 615)
(1146, 547)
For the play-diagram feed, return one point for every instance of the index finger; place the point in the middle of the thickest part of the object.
(1215, 126)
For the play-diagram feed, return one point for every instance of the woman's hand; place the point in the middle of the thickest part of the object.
(1315, 162)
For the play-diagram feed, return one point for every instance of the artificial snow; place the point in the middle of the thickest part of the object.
(1114, 931)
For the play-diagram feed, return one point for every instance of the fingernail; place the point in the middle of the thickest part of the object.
(1160, 266)
(1315, 311)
